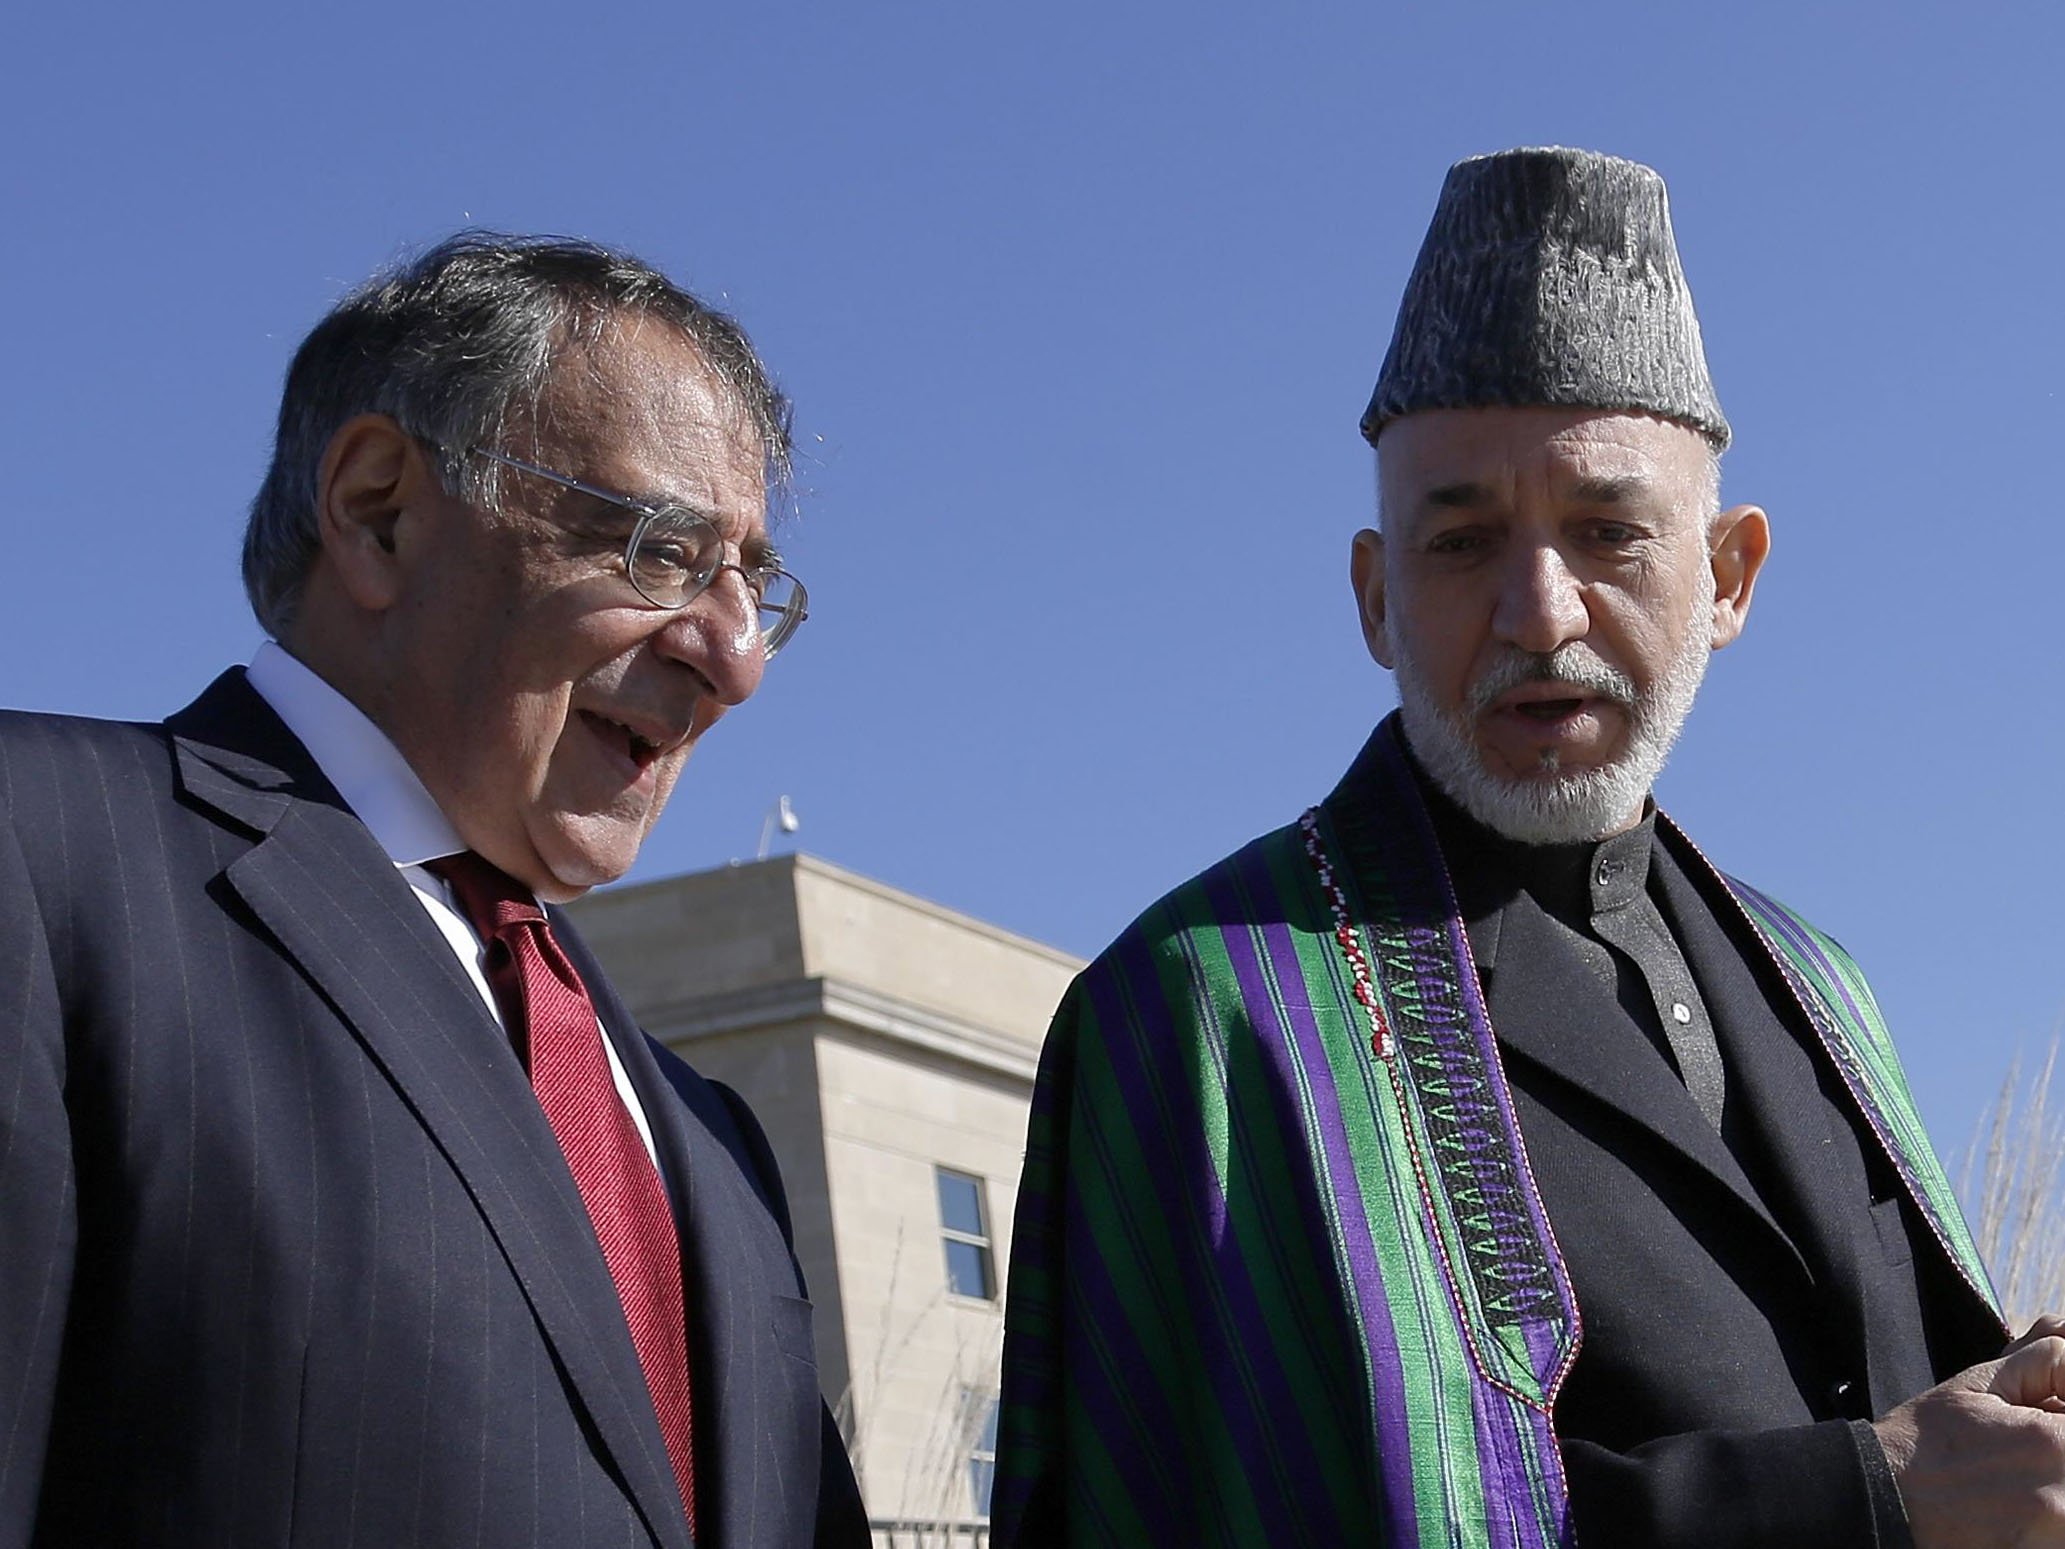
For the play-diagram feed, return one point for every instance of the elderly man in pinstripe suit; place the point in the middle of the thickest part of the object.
(341, 1202)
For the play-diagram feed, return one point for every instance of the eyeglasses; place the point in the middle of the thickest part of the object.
(674, 555)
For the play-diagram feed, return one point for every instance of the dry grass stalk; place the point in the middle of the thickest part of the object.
(2017, 1206)
(933, 1492)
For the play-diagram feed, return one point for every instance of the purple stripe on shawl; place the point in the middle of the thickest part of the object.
(1509, 1488)
(1393, 1436)
(1772, 915)
(1207, 1259)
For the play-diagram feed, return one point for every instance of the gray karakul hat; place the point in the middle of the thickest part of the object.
(1548, 277)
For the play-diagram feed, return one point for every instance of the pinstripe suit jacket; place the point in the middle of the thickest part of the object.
(288, 1253)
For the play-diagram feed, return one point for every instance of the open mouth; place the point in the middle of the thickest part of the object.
(1549, 711)
(639, 749)
(1553, 708)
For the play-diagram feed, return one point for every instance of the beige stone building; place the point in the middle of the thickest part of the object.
(888, 1045)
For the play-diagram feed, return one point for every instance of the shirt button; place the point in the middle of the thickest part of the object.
(1680, 1012)
(1605, 872)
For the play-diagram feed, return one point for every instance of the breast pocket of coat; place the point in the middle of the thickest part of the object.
(1889, 1221)
(788, 1439)
(793, 1335)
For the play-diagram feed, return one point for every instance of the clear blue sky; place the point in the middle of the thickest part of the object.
(1079, 304)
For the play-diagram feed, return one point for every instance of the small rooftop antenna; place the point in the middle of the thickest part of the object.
(781, 815)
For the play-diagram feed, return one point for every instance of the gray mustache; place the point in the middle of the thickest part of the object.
(1574, 664)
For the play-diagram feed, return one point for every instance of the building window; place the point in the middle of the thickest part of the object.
(979, 1414)
(964, 1223)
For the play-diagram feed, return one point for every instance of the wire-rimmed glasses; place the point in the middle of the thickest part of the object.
(674, 555)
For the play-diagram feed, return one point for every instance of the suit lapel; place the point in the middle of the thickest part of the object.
(1538, 1015)
(342, 914)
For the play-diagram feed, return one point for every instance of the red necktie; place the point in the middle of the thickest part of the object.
(552, 1023)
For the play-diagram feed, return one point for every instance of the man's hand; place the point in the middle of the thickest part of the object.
(1980, 1459)
(2042, 1328)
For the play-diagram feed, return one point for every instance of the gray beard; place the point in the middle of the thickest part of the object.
(1554, 806)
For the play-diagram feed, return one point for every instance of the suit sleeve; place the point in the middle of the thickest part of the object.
(1802, 1487)
(766, 1170)
(38, 1195)
(842, 1521)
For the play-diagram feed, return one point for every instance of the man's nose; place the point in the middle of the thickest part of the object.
(718, 634)
(1541, 605)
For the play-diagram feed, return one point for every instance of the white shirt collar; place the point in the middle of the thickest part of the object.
(369, 772)
(378, 785)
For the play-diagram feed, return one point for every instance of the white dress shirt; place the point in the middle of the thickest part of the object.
(378, 785)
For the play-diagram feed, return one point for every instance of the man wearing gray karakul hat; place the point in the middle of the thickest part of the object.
(1469, 1162)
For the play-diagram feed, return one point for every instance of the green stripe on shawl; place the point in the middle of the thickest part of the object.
(1838, 1000)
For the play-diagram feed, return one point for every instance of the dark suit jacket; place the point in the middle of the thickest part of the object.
(288, 1253)
(1746, 1301)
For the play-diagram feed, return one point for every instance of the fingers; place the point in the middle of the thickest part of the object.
(1980, 1459)
(2047, 1327)
(2033, 1374)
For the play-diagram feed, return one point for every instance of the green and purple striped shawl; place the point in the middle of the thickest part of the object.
(1272, 1286)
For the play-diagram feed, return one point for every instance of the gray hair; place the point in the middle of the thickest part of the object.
(450, 345)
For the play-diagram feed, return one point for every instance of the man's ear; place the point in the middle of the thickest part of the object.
(1366, 572)
(1738, 546)
(373, 473)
